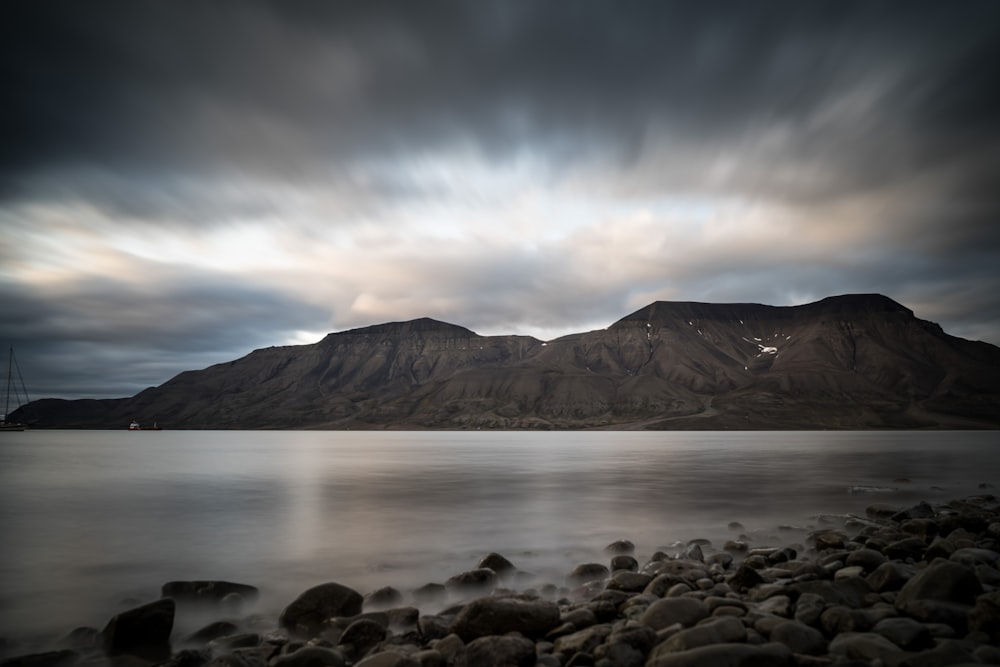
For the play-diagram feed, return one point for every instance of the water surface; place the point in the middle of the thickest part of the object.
(93, 521)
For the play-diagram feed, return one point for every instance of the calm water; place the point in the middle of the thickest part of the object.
(94, 520)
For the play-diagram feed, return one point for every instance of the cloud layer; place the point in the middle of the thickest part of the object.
(183, 182)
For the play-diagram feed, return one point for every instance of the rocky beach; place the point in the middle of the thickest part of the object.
(896, 587)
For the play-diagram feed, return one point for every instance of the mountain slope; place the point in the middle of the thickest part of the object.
(855, 361)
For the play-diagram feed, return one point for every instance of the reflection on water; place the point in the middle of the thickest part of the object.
(91, 518)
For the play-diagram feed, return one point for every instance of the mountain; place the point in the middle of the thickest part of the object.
(852, 362)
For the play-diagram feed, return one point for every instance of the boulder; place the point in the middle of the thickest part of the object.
(208, 592)
(624, 562)
(620, 547)
(905, 633)
(143, 631)
(497, 563)
(304, 617)
(387, 596)
(667, 611)
(799, 637)
(861, 646)
(528, 616)
(361, 636)
(867, 559)
(985, 616)
(722, 630)
(941, 581)
(587, 572)
(582, 641)
(727, 655)
(890, 576)
(630, 582)
(310, 656)
(507, 650)
(480, 580)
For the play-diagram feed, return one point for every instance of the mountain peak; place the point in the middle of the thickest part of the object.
(423, 326)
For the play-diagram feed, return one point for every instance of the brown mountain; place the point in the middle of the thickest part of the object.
(855, 361)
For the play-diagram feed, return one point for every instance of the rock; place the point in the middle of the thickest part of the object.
(143, 631)
(985, 616)
(974, 556)
(880, 511)
(862, 646)
(925, 529)
(839, 619)
(209, 632)
(694, 552)
(942, 581)
(434, 626)
(848, 592)
(782, 555)
(825, 540)
(848, 572)
(667, 611)
(867, 559)
(922, 510)
(808, 608)
(640, 638)
(620, 547)
(497, 563)
(779, 605)
(208, 592)
(430, 593)
(631, 582)
(910, 547)
(582, 641)
(530, 617)
(304, 617)
(62, 658)
(745, 578)
(890, 576)
(388, 659)
(728, 655)
(623, 562)
(387, 596)
(587, 572)
(905, 633)
(723, 630)
(310, 656)
(799, 637)
(360, 636)
(479, 581)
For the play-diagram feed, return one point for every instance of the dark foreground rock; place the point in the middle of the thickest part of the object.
(900, 587)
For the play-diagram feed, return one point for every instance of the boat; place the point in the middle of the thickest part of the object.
(12, 367)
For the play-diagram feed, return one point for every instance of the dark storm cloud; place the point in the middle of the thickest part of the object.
(192, 116)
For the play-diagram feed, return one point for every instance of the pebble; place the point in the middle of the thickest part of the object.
(906, 587)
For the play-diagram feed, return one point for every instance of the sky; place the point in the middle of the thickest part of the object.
(182, 182)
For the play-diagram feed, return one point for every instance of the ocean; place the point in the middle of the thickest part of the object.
(93, 522)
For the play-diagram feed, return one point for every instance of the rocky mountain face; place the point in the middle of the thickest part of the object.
(855, 361)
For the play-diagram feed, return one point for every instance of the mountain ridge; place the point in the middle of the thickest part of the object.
(848, 361)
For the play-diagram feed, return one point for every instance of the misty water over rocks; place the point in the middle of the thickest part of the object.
(94, 522)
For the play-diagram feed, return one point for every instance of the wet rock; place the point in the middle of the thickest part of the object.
(620, 547)
(631, 582)
(497, 563)
(905, 633)
(910, 547)
(779, 605)
(667, 611)
(143, 631)
(922, 510)
(310, 656)
(360, 636)
(477, 581)
(728, 655)
(430, 593)
(209, 633)
(208, 592)
(388, 659)
(941, 581)
(745, 578)
(890, 576)
(799, 637)
(623, 562)
(839, 619)
(304, 617)
(62, 658)
(974, 556)
(867, 559)
(387, 596)
(715, 631)
(587, 572)
(862, 646)
(582, 641)
(985, 616)
(808, 608)
(499, 615)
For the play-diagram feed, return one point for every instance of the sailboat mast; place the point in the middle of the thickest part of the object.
(10, 368)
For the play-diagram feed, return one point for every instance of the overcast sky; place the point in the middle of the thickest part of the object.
(182, 182)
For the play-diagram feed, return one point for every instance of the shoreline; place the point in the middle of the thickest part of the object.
(903, 586)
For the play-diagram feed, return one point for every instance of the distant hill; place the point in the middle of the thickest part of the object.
(846, 362)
